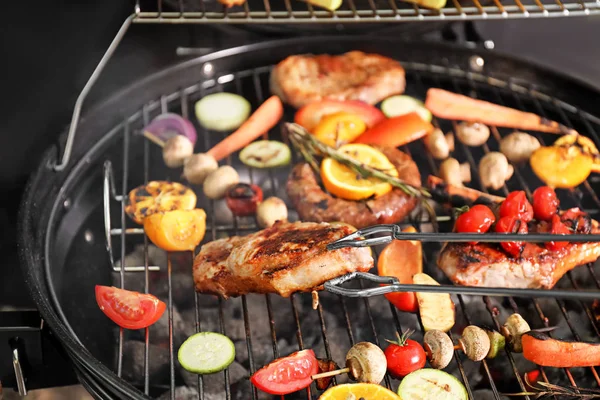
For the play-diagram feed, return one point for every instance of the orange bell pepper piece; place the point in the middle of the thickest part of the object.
(177, 230)
(396, 131)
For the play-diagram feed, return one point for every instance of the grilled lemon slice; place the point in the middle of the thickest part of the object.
(158, 196)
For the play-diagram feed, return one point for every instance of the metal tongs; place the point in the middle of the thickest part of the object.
(384, 234)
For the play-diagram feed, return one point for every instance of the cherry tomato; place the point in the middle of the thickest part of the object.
(517, 205)
(532, 377)
(287, 374)
(511, 224)
(545, 203)
(129, 309)
(242, 199)
(404, 356)
(577, 220)
(478, 219)
(558, 228)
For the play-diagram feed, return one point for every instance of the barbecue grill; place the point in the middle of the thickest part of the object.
(74, 233)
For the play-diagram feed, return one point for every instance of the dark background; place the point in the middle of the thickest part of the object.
(50, 48)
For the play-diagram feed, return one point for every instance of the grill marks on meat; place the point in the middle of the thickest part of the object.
(486, 264)
(283, 259)
(301, 79)
(314, 204)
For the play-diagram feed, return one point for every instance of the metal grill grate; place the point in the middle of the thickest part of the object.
(576, 317)
(353, 11)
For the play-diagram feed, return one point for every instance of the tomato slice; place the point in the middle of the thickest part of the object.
(129, 309)
(288, 374)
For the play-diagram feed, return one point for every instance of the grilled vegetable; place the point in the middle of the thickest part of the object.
(518, 146)
(330, 5)
(325, 366)
(454, 173)
(478, 219)
(266, 154)
(156, 197)
(339, 128)
(494, 170)
(222, 111)
(547, 352)
(436, 309)
(166, 126)
(270, 211)
(242, 199)
(545, 203)
(398, 105)
(511, 224)
(401, 259)
(206, 353)
(497, 342)
(438, 144)
(366, 391)
(430, 383)
(287, 374)
(558, 227)
(367, 363)
(397, 131)
(311, 114)
(475, 343)
(472, 133)
(439, 348)
(129, 309)
(514, 327)
(264, 118)
(178, 230)
(177, 150)
(517, 205)
(448, 105)
(433, 4)
(198, 166)
(561, 167)
(404, 356)
(464, 194)
(218, 182)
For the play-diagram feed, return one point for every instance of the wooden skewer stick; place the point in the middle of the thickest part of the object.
(155, 139)
(330, 373)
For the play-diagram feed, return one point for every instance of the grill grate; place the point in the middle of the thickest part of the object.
(353, 11)
(252, 84)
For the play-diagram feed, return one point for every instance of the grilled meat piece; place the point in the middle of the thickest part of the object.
(301, 79)
(314, 204)
(285, 258)
(486, 264)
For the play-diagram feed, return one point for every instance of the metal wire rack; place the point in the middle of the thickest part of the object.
(353, 11)
(252, 84)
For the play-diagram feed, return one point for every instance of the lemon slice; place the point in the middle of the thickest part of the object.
(330, 5)
(157, 197)
(345, 183)
(367, 391)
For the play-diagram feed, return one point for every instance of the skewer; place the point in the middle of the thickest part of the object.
(155, 139)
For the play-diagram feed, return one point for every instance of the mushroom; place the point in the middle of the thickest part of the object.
(518, 146)
(494, 170)
(454, 173)
(472, 133)
(176, 150)
(197, 167)
(366, 363)
(514, 327)
(270, 211)
(439, 348)
(475, 343)
(218, 182)
(439, 145)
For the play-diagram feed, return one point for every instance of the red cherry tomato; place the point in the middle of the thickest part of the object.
(511, 224)
(404, 356)
(517, 205)
(242, 199)
(558, 228)
(577, 220)
(478, 219)
(288, 374)
(129, 309)
(545, 203)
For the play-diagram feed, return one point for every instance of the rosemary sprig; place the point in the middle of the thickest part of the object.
(311, 148)
(545, 390)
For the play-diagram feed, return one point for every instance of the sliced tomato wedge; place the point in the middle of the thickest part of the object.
(287, 374)
(310, 115)
(129, 309)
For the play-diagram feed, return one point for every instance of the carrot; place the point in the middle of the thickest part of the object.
(448, 105)
(547, 352)
(443, 189)
(264, 118)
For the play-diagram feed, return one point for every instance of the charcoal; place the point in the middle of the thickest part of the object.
(133, 362)
(486, 394)
(262, 351)
(182, 393)
(159, 332)
(215, 383)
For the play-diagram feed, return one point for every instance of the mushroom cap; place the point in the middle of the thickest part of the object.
(367, 363)
(514, 327)
(475, 343)
(441, 348)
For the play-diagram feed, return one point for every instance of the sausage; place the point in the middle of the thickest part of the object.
(314, 204)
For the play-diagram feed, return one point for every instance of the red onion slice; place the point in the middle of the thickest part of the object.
(165, 126)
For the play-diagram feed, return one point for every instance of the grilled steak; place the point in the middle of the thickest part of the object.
(285, 258)
(486, 264)
(314, 204)
(301, 79)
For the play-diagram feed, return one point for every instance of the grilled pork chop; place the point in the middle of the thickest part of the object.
(486, 264)
(285, 258)
(301, 79)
